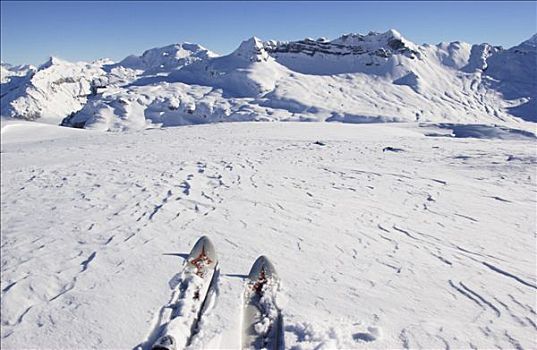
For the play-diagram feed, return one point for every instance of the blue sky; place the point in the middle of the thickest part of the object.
(32, 31)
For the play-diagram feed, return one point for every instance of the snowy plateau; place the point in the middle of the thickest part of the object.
(392, 185)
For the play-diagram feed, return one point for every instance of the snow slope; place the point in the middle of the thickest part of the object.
(247, 72)
(515, 75)
(162, 105)
(383, 237)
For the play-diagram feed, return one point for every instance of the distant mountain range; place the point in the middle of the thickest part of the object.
(378, 77)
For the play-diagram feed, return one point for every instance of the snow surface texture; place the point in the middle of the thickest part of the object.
(378, 77)
(383, 237)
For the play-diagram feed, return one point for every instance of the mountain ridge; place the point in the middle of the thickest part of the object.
(371, 77)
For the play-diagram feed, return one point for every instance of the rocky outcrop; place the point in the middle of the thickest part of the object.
(382, 45)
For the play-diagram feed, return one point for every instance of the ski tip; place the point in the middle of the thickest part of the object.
(204, 246)
(262, 264)
(203, 238)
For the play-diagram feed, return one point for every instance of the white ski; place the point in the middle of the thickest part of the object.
(262, 323)
(189, 298)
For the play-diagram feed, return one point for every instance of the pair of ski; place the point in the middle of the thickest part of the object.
(261, 322)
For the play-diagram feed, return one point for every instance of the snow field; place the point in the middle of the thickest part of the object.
(383, 237)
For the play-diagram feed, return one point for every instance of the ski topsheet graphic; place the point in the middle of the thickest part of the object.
(262, 321)
(182, 315)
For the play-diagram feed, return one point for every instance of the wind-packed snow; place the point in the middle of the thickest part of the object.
(378, 77)
(383, 237)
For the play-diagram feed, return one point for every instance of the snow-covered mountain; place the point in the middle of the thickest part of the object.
(167, 58)
(354, 78)
(56, 89)
(9, 72)
(514, 74)
(249, 71)
(349, 53)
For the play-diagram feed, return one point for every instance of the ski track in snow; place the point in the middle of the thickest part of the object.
(433, 247)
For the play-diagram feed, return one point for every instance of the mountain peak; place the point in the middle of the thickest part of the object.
(53, 60)
(391, 39)
(252, 50)
(167, 58)
(531, 41)
(392, 33)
